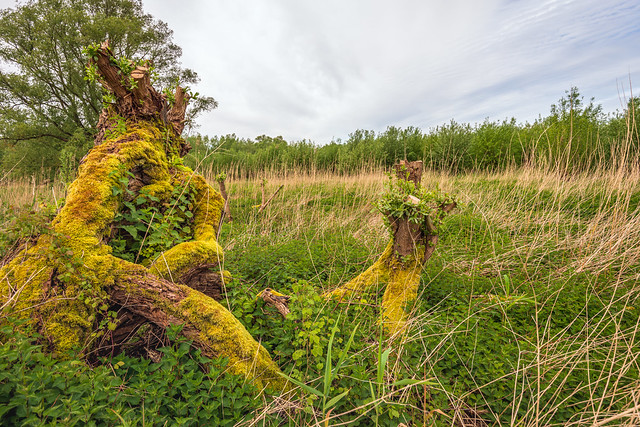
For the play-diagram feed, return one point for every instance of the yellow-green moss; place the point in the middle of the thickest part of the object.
(91, 204)
(401, 277)
(208, 209)
(21, 282)
(64, 317)
(67, 326)
(75, 247)
(220, 331)
(401, 291)
(171, 264)
(369, 280)
(159, 189)
(76, 250)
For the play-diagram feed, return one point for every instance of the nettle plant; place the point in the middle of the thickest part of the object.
(147, 226)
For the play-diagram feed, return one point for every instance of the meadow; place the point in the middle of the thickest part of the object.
(528, 312)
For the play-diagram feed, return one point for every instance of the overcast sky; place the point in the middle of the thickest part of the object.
(320, 69)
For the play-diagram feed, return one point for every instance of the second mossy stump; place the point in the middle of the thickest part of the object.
(412, 214)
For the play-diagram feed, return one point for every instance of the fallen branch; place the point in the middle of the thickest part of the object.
(226, 213)
(265, 204)
(277, 300)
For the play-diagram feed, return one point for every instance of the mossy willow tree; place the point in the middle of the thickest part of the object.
(134, 248)
(412, 214)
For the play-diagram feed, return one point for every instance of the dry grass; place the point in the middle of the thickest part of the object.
(541, 212)
(30, 191)
(588, 217)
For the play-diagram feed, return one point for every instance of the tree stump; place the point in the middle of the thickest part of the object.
(412, 216)
(71, 280)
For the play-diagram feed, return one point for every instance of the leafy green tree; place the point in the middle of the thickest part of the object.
(573, 129)
(48, 110)
(624, 126)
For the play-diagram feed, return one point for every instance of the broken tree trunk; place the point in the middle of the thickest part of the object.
(412, 215)
(279, 301)
(136, 237)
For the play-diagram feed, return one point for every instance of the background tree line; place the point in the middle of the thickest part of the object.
(574, 136)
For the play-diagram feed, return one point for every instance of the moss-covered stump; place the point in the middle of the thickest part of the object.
(412, 214)
(134, 246)
(399, 276)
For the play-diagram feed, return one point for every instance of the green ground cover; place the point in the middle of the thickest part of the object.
(527, 313)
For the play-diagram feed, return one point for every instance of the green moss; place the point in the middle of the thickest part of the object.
(371, 280)
(401, 291)
(67, 327)
(171, 264)
(401, 277)
(59, 282)
(56, 282)
(208, 209)
(159, 189)
(91, 204)
(223, 334)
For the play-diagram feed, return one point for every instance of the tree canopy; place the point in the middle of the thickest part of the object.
(48, 110)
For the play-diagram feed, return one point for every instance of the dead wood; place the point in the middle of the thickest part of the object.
(277, 300)
(266, 203)
(225, 196)
(409, 171)
(206, 278)
(136, 98)
(180, 286)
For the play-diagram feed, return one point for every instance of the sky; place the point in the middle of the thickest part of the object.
(319, 70)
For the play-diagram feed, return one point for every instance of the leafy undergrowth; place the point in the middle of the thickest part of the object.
(184, 388)
(528, 313)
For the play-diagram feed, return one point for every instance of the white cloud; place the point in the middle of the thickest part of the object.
(317, 70)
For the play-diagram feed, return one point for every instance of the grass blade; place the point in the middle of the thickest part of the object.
(302, 385)
(336, 399)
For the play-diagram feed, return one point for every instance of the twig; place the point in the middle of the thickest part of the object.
(264, 204)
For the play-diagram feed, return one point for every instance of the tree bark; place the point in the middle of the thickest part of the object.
(136, 98)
